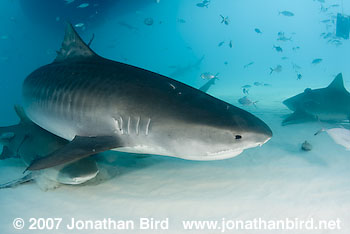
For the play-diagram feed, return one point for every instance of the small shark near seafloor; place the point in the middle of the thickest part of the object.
(325, 104)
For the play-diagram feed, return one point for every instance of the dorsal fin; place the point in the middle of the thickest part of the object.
(21, 114)
(337, 83)
(73, 47)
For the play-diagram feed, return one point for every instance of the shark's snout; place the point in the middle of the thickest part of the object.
(254, 125)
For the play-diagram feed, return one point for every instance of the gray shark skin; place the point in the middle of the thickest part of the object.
(27, 141)
(326, 104)
(100, 105)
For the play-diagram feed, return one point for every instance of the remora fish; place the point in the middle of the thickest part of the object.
(99, 104)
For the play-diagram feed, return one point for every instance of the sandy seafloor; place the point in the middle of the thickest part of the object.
(276, 181)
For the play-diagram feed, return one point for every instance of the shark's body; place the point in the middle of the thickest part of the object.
(326, 104)
(27, 141)
(99, 104)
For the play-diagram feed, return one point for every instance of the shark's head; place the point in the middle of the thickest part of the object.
(216, 134)
(300, 101)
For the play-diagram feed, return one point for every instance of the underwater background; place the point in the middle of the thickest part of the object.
(183, 40)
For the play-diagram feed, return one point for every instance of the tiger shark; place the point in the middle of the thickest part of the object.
(98, 104)
(326, 104)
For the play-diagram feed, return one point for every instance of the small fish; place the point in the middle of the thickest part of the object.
(246, 102)
(336, 42)
(203, 4)
(245, 91)
(286, 13)
(221, 43)
(258, 31)
(278, 48)
(278, 68)
(83, 5)
(69, 1)
(246, 86)
(226, 63)
(248, 64)
(230, 44)
(284, 58)
(306, 146)
(316, 61)
(79, 25)
(324, 9)
(261, 84)
(295, 48)
(280, 34)
(209, 76)
(225, 20)
(299, 76)
(284, 39)
(148, 21)
(325, 21)
(182, 21)
(334, 5)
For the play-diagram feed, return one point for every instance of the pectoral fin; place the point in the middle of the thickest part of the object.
(298, 116)
(80, 147)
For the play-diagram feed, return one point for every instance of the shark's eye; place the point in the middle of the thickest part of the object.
(237, 137)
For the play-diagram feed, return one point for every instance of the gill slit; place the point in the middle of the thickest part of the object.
(147, 126)
(138, 125)
(121, 125)
(128, 125)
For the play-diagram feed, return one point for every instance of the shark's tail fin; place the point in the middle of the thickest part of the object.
(222, 19)
(254, 104)
(271, 70)
(320, 131)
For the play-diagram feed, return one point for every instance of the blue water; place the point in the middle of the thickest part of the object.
(276, 180)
